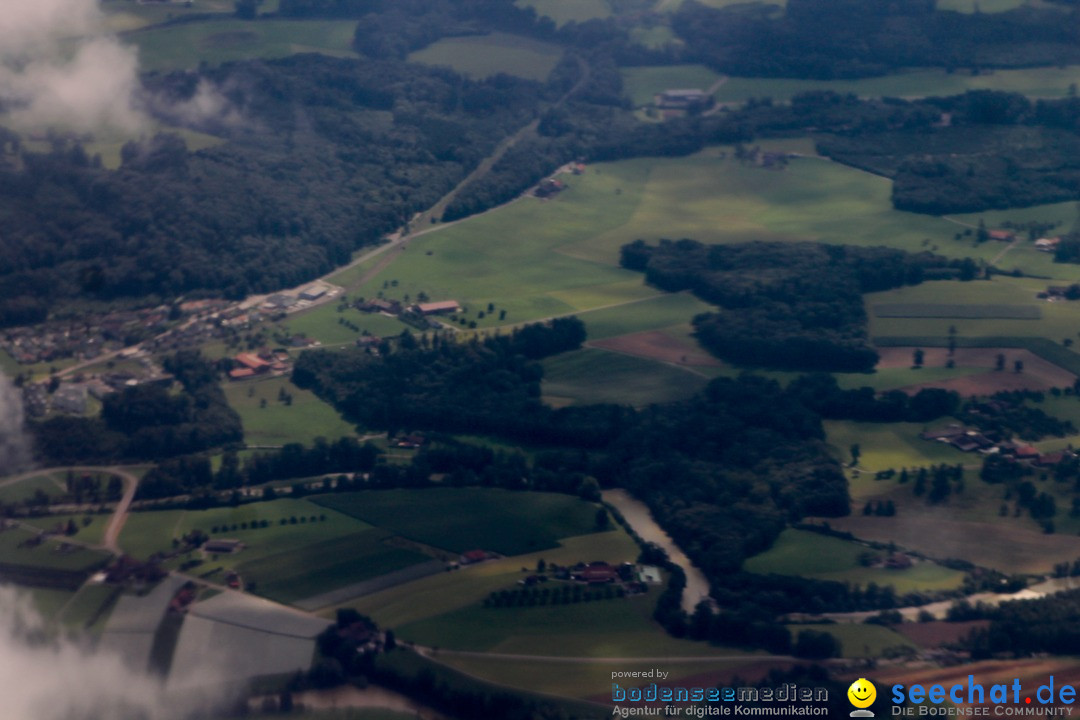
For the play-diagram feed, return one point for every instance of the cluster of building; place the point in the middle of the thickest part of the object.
(264, 362)
(680, 101)
(73, 397)
(632, 577)
(290, 302)
(85, 339)
(419, 314)
(967, 439)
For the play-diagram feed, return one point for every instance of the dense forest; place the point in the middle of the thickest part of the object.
(793, 306)
(330, 154)
(723, 472)
(827, 39)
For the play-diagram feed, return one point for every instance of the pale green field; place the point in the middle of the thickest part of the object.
(93, 534)
(661, 311)
(808, 554)
(276, 424)
(321, 323)
(719, 199)
(600, 628)
(892, 378)
(124, 15)
(1060, 320)
(24, 489)
(481, 56)
(641, 83)
(564, 11)
(888, 445)
(591, 376)
(182, 46)
(859, 640)
(447, 592)
(1037, 82)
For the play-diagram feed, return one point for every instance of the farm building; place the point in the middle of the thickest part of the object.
(1002, 235)
(313, 293)
(252, 362)
(393, 307)
(280, 301)
(473, 556)
(681, 99)
(223, 545)
(1047, 244)
(597, 573)
(437, 308)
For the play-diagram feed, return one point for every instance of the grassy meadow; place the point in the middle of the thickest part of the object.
(462, 519)
(590, 376)
(808, 554)
(278, 423)
(480, 56)
(859, 640)
(185, 45)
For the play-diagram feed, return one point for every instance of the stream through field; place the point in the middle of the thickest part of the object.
(638, 517)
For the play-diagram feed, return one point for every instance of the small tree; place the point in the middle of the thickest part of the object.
(917, 357)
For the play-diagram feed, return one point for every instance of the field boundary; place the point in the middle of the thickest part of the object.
(1046, 349)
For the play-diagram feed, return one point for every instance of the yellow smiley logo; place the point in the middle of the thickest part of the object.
(862, 693)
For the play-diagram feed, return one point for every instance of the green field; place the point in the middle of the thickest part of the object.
(481, 56)
(48, 555)
(1058, 320)
(591, 376)
(285, 562)
(90, 605)
(185, 45)
(461, 519)
(447, 592)
(642, 83)
(153, 531)
(303, 572)
(1037, 82)
(958, 312)
(124, 15)
(809, 554)
(602, 628)
(305, 419)
(322, 323)
(859, 641)
(12, 493)
(891, 378)
(888, 445)
(564, 11)
(93, 534)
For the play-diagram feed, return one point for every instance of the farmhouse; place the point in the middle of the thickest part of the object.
(223, 545)
(438, 308)
(1002, 235)
(473, 556)
(597, 573)
(1047, 244)
(313, 293)
(680, 99)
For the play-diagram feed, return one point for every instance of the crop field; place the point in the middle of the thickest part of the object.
(185, 45)
(316, 568)
(152, 531)
(90, 606)
(1038, 373)
(642, 83)
(809, 554)
(278, 423)
(958, 312)
(891, 378)
(1058, 322)
(462, 519)
(1037, 82)
(1017, 547)
(677, 348)
(564, 11)
(123, 16)
(888, 445)
(591, 376)
(859, 640)
(447, 592)
(602, 628)
(480, 56)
